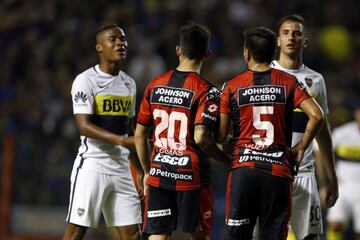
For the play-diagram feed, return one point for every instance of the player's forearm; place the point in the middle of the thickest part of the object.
(142, 152)
(312, 128)
(206, 142)
(93, 131)
(323, 139)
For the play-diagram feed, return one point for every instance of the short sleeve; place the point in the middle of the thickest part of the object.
(225, 100)
(300, 93)
(145, 115)
(322, 96)
(208, 109)
(82, 96)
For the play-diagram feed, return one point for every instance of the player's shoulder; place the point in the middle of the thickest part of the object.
(243, 74)
(85, 77)
(162, 78)
(285, 76)
(310, 73)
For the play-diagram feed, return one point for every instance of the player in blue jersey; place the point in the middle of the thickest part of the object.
(104, 104)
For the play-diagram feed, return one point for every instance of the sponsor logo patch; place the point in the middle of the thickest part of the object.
(159, 213)
(172, 175)
(213, 108)
(261, 95)
(80, 98)
(238, 222)
(173, 160)
(174, 97)
(275, 157)
(111, 105)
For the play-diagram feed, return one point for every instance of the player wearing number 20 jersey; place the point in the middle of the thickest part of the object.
(174, 103)
(258, 102)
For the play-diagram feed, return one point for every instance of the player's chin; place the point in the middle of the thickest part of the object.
(119, 57)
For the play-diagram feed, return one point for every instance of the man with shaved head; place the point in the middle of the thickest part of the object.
(103, 99)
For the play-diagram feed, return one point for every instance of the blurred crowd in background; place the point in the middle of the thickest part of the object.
(45, 44)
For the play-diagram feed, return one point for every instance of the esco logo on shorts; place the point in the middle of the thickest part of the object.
(80, 211)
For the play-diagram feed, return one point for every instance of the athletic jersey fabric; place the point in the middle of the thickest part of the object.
(260, 105)
(111, 102)
(315, 85)
(346, 139)
(174, 103)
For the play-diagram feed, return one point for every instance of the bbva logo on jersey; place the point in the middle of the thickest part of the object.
(113, 105)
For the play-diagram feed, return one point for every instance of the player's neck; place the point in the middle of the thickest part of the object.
(188, 65)
(290, 63)
(258, 67)
(112, 68)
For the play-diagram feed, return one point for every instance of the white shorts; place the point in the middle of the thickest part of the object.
(94, 192)
(347, 206)
(306, 216)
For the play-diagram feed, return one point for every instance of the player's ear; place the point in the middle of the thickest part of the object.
(98, 47)
(278, 41)
(246, 54)
(305, 42)
(207, 54)
(178, 50)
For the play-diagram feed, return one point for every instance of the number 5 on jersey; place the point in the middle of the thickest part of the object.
(263, 125)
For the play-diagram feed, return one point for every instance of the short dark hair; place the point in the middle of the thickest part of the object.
(292, 18)
(104, 28)
(260, 41)
(194, 39)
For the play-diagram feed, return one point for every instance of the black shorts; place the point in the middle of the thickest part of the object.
(250, 195)
(170, 210)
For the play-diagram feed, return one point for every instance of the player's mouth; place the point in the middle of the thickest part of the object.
(291, 46)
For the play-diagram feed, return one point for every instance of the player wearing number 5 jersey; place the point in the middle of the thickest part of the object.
(183, 109)
(260, 103)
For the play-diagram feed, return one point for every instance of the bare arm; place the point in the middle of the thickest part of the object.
(223, 129)
(142, 148)
(88, 129)
(326, 157)
(204, 139)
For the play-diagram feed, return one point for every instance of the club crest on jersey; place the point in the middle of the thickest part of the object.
(174, 97)
(80, 211)
(80, 97)
(308, 81)
(261, 94)
(213, 94)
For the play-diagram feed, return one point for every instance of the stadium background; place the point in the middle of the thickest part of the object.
(45, 44)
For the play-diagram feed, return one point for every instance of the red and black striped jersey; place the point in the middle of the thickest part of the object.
(260, 105)
(173, 104)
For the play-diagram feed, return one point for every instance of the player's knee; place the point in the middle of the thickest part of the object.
(198, 236)
(131, 232)
(336, 226)
(74, 232)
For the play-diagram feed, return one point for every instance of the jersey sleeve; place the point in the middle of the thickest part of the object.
(225, 99)
(82, 96)
(145, 115)
(322, 97)
(208, 109)
(300, 94)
